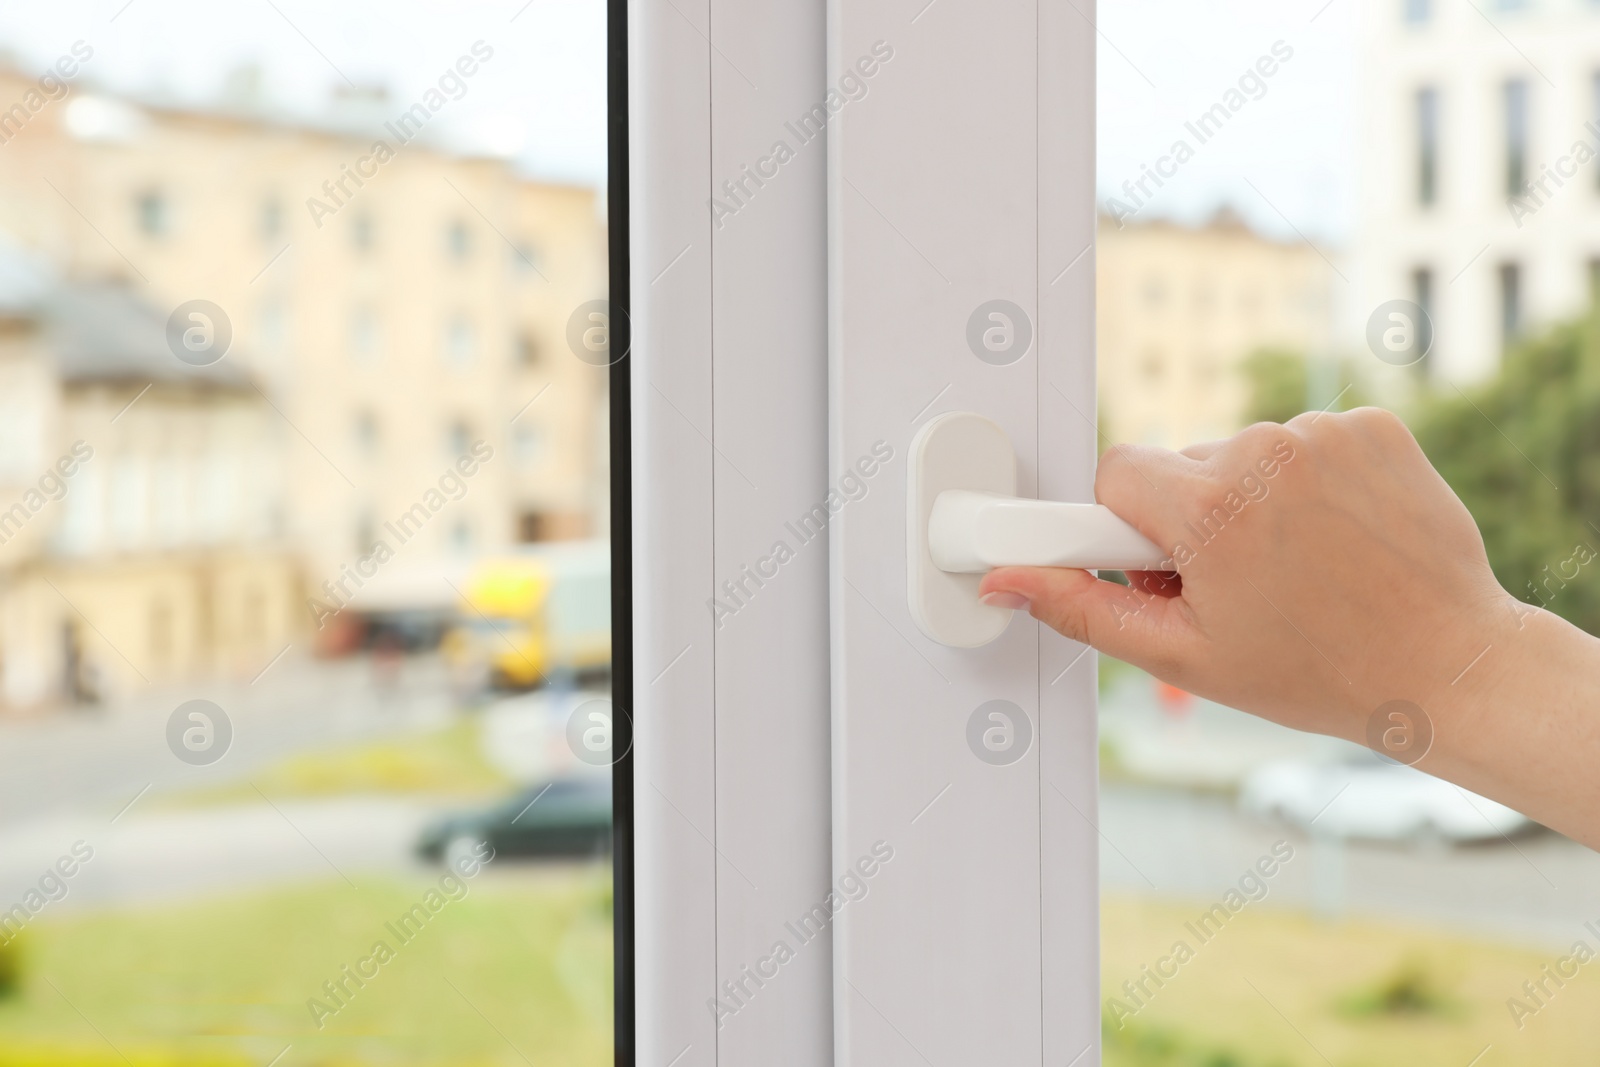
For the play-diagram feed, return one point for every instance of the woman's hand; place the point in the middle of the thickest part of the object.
(1323, 569)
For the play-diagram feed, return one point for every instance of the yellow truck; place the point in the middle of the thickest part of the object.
(538, 614)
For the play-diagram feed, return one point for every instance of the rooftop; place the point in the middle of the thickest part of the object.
(104, 331)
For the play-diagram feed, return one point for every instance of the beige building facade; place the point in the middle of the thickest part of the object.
(431, 303)
(1181, 308)
(388, 312)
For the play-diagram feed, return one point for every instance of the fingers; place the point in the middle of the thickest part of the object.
(1143, 485)
(1144, 626)
(1202, 449)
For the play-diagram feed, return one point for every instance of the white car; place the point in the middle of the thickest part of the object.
(1376, 800)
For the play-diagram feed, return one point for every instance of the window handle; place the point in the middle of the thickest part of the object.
(973, 532)
(964, 519)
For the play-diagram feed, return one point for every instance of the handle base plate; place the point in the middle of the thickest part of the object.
(956, 450)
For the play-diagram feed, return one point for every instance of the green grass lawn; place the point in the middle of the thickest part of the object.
(519, 972)
(516, 972)
(1350, 994)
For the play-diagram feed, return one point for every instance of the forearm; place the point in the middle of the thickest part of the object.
(1522, 725)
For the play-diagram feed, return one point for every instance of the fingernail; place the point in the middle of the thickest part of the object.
(1014, 601)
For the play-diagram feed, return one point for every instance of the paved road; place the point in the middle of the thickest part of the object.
(1170, 842)
(1167, 843)
(67, 779)
(100, 759)
(91, 777)
(167, 855)
(1173, 842)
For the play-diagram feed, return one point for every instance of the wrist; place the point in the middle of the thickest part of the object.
(1515, 725)
(1424, 696)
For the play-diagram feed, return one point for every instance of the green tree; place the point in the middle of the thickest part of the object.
(1523, 452)
(1280, 385)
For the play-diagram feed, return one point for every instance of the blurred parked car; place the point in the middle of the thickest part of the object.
(565, 817)
(1375, 800)
(528, 616)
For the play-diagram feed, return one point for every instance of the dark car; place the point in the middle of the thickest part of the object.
(565, 817)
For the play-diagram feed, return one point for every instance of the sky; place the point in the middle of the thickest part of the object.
(1285, 160)
(541, 99)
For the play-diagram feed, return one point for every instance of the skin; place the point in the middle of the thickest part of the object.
(1340, 573)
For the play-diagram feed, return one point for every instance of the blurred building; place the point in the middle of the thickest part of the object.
(1480, 194)
(141, 500)
(1181, 308)
(396, 316)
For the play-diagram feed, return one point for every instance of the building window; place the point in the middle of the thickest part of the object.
(527, 349)
(153, 215)
(271, 219)
(1510, 302)
(1422, 296)
(22, 439)
(1154, 366)
(170, 496)
(458, 341)
(526, 444)
(82, 528)
(130, 502)
(272, 326)
(1427, 145)
(459, 438)
(361, 232)
(1418, 11)
(459, 240)
(366, 431)
(461, 536)
(1516, 115)
(217, 500)
(364, 341)
(533, 527)
(525, 258)
(1595, 108)
(366, 533)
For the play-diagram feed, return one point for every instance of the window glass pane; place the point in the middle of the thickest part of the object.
(1397, 211)
(1422, 296)
(1510, 279)
(303, 722)
(1516, 134)
(1427, 145)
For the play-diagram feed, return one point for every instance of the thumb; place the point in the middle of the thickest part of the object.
(1140, 627)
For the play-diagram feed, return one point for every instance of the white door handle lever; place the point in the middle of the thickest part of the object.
(971, 533)
(964, 519)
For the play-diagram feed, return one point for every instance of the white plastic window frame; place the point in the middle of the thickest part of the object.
(796, 314)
